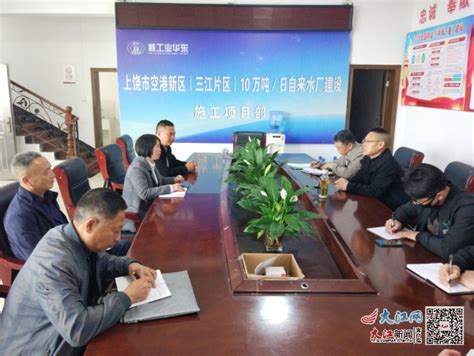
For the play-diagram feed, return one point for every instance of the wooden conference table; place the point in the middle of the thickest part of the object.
(192, 234)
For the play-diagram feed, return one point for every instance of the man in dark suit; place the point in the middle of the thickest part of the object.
(34, 209)
(168, 165)
(380, 175)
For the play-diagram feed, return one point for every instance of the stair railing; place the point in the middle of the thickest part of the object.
(46, 110)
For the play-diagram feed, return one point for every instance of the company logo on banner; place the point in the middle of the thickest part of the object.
(135, 48)
(212, 83)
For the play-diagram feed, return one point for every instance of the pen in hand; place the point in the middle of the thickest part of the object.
(450, 266)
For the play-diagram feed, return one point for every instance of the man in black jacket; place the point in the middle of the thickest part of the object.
(379, 175)
(168, 165)
(442, 214)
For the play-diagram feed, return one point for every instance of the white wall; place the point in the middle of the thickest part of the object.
(443, 135)
(37, 47)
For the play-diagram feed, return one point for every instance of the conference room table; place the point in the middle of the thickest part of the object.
(315, 316)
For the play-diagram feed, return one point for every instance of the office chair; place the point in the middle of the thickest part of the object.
(111, 166)
(408, 158)
(9, 265)
(73, 183)
(241, 138)
(461, 175)
(128, 152)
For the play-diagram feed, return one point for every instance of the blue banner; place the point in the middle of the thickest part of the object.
(211, 83)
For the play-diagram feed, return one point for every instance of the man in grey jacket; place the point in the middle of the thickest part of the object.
(52, 306)
(348, 164)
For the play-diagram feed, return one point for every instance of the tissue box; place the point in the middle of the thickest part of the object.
(258, 261)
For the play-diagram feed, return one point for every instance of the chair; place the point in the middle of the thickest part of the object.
(9, 266)
(111, 166)
(73, 183)
(241, 138)
(126, 145)
(408, 158)
(461, 175)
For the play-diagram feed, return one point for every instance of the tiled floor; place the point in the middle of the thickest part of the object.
(95, 182)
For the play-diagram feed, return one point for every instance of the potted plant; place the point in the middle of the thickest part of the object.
(276, 205)
(250, 163)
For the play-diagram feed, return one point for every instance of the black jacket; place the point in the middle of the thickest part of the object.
(380, 178)
(464, 258)
(456, 222)
(168, 165)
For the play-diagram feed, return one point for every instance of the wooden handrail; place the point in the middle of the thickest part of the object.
(38, 96)
(69, 118)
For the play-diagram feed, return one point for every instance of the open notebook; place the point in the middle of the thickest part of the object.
(429, 272)
(174, 194)
(380, 231)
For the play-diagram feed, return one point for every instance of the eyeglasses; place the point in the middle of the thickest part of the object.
(427, 201)
(369, 141)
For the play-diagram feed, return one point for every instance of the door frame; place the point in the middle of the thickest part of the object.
(96, 107)
(390, 95)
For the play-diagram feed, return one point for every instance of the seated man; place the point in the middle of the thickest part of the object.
(168, 165)
(442, 214)
(351, 154)
(379, 175)
(463, 268)
(34, 210)
(52, 306)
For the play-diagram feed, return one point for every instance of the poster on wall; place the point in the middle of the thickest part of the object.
(438, 67)
(210, 83)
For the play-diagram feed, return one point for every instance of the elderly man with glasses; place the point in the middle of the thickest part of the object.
(379, 175)
(442, 214)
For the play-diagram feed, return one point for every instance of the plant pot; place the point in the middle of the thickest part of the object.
(273, 245)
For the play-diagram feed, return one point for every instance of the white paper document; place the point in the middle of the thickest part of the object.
(177, 194)
(161, 291)
(299, 165)
(429, 272)
(316, 171)
(380, 231)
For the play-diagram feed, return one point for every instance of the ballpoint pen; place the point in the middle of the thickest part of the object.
(450, 266)
(393, 221)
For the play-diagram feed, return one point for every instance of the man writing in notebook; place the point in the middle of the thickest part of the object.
(168, 165)
(52, 307)
(351, 155)
(441, 214)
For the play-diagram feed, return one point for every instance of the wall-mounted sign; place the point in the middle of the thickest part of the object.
(69, 74)
(211, 83)
(438, 67)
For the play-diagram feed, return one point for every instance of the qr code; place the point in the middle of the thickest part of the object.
(444, 325)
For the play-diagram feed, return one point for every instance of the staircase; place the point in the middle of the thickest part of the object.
(43, 126)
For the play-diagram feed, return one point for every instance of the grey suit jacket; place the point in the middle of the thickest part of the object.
(47, 309)
(347, 166)
(140, 188)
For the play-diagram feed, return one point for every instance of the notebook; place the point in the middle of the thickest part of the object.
(316, 171)
(182, 301)
(380, 231)
(177, 194)
(161, 291)
(429, 272)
